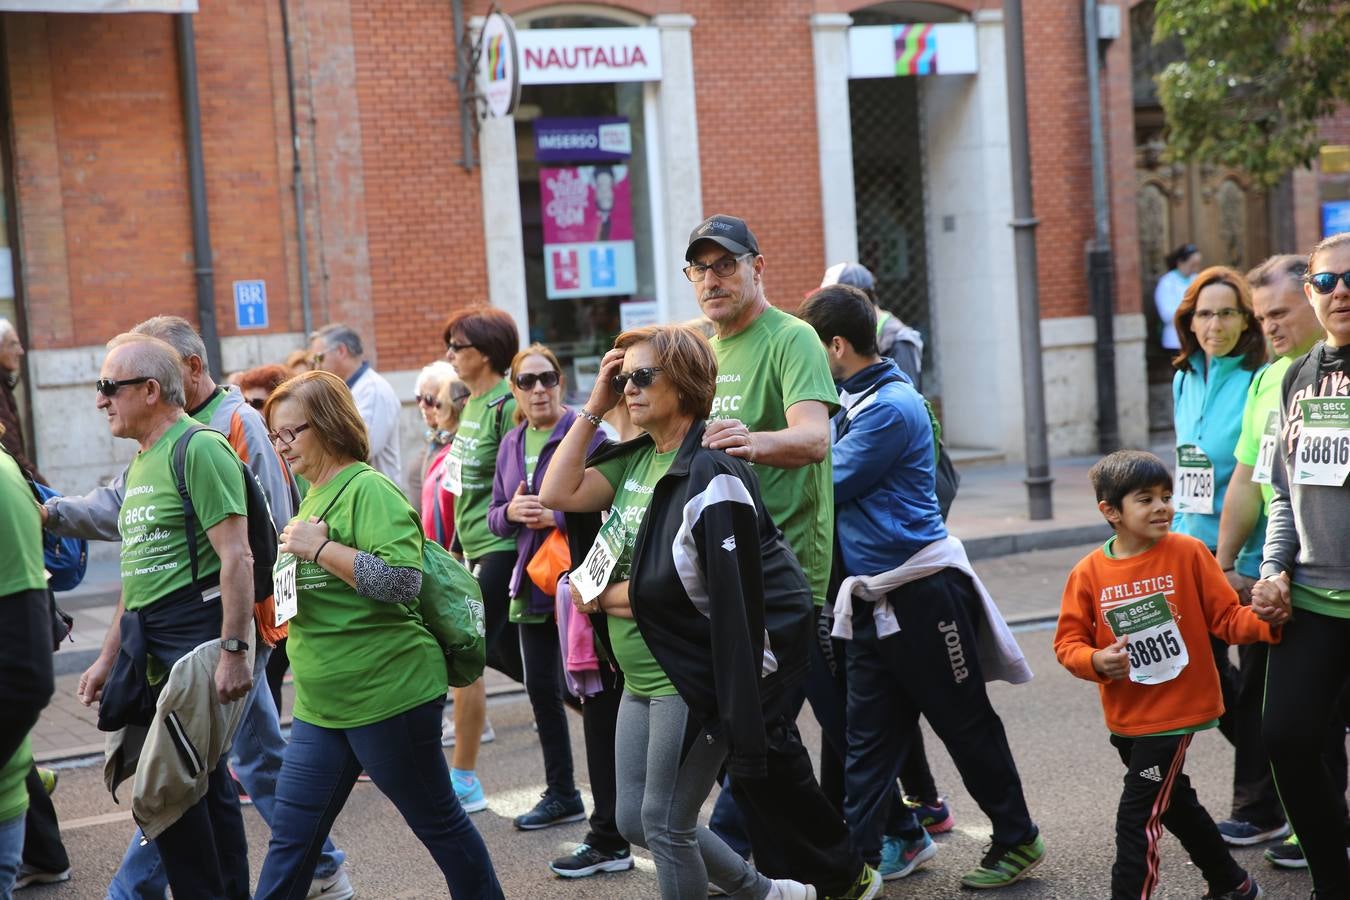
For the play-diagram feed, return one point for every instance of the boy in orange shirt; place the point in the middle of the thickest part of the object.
(1136, 618)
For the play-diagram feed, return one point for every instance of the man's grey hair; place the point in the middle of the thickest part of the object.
(7, 328)
(338, 333)
(149, 357)
(1288, 265)
(177, 332)
(437, 373)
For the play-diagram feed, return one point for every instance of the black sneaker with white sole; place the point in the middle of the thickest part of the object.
(586, 860)
(552, 810)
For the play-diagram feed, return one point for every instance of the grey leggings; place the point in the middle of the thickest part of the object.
(659, 799)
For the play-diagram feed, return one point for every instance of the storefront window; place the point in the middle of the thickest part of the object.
(585, 194)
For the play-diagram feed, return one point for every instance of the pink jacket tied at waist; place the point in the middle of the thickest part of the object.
(576, 639)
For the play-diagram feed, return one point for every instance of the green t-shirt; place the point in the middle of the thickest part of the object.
(1263, 400)
(155, 561)
(13, 793)
(535, 439)
(358, 660)
(20, 532)
(481, 429)
(634, 478)
(763, 370)
(1323, 601)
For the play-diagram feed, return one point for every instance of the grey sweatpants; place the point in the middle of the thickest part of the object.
(659, 798)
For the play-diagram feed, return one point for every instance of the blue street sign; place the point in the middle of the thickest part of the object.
(250, 304)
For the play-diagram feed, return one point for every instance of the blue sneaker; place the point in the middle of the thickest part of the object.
(1238, 833)
(469, 793)
(900, 857)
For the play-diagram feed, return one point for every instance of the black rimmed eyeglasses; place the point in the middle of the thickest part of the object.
(722, 268)
(641, 378)
(109, 388)
(287, 435)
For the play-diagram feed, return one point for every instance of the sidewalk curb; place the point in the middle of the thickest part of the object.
(1050, 539)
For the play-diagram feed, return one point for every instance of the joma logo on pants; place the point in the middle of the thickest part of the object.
(954, 652)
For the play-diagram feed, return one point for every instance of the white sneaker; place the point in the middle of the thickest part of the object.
(785, 889)
(335, 887)
(448, 732)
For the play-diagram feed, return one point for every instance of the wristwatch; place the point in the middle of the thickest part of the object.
(233, 645)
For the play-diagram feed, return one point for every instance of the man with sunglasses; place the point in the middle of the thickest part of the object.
(170, 610)
(337, 348)
(772, 408)
(256, 757)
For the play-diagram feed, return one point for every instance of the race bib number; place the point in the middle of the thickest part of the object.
(1157, 652)
(453, 481)
(1195, 481)
(591, 577)
(1323, 452)
(285, 598)
(1265, 457)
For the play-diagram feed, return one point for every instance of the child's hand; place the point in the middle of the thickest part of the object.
(1113, 662)
(1270, 599)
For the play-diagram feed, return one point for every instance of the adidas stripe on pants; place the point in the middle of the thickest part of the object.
(1157, 795)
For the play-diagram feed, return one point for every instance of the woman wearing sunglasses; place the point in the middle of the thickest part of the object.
(516, 513)
(1307, 569)
(369, 676)
(480, 343)
(707, 613)
(425, 389)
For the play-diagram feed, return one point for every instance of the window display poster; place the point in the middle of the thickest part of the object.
(588, 231)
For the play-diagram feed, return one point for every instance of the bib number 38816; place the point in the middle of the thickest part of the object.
(1157, 652)
(1195, 481)
(1323, 452)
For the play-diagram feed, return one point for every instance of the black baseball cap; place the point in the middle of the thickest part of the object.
(728, 232)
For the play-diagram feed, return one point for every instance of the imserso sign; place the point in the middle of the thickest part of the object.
(589, 55)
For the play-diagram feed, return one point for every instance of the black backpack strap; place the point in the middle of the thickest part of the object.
(500, 406)
(179, 466)
(323, 516)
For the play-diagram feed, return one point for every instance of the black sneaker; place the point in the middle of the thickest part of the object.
(551, 810)
(586, 860)
(1288, 855)
(1248, 890)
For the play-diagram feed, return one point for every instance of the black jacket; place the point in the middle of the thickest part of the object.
(716, 593)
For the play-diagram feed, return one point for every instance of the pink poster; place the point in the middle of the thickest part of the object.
(586, 204)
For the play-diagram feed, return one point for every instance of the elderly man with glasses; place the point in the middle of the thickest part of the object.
(337, 348)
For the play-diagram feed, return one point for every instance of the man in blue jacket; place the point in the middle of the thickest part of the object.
(931, 636)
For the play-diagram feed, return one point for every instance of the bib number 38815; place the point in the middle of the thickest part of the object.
(1157, 652)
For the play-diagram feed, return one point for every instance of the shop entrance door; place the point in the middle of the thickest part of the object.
(888, 188)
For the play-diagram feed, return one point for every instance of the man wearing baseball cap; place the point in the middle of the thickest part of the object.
(772, 408)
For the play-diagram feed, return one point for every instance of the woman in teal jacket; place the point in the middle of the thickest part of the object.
(1222, 350)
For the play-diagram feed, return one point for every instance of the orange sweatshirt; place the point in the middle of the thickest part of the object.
(1201, 602)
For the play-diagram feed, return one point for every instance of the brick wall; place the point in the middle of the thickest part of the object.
(757, 135)
(423, 211)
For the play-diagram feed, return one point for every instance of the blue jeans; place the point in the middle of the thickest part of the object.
(11, 854)
(256, 755)
(403, 756)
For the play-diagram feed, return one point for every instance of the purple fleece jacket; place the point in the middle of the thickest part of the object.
(510, 473)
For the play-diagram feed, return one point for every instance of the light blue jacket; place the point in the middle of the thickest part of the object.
(1207, 411)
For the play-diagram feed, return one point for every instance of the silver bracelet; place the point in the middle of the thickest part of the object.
(591, 417)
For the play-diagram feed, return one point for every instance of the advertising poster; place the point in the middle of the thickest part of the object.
(586, 206)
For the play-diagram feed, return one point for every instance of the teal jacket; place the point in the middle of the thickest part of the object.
(1207, 411)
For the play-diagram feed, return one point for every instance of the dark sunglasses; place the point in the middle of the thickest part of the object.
(458, 348)
(641, 378)
(256, 403)
(109, 388)
(427, 400)
(286, 435)
(1325, 282)
(527, 381)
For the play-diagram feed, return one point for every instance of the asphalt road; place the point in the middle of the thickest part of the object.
(1070, 772)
